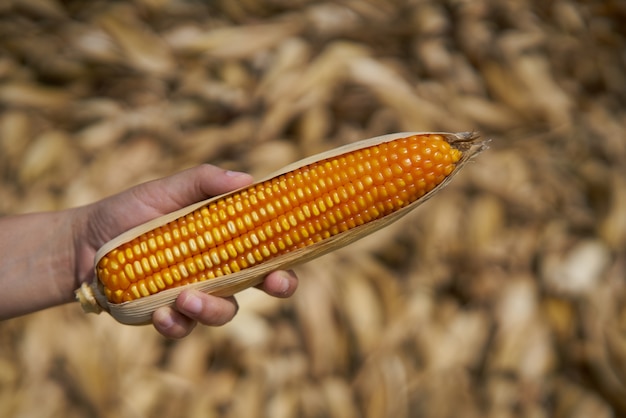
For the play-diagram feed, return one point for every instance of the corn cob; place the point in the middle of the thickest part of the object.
(320, 200)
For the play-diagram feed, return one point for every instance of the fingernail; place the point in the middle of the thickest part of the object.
(192, 305)
(165, 321)
(231, 173)
(284, 283)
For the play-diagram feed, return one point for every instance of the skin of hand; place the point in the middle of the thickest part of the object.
(48, 255)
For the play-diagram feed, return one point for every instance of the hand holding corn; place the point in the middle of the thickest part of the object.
(228, 243)
(46, 256)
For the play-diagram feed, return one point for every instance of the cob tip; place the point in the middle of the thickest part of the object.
(464, 141)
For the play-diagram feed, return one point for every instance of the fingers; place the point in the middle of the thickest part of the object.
(191, 307)
(280, 284)
(172, 324)
(206, 309)
(191, 186)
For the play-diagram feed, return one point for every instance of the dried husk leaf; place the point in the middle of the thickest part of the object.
(50, 152)
(237, 42)
(398, 94)
(15, 130)
(316, 311)
(22, 94)
(140, 311)
(142, 48)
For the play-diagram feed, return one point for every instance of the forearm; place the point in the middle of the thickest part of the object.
(38, 261)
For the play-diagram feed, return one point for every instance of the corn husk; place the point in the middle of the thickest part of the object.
(140, 311)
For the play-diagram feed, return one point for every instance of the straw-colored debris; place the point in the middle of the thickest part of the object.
(504, 296)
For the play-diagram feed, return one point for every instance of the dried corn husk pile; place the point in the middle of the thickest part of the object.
(504, 296)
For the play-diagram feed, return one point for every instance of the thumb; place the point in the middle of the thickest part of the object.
(189, 186)
(139, 204)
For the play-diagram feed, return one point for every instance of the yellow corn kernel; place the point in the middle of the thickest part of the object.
(280, 215)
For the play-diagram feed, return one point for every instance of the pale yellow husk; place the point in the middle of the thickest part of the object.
(140, 311)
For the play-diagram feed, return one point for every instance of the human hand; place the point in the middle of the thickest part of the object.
(110, 217)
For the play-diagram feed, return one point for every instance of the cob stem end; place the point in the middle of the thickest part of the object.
(87, 299)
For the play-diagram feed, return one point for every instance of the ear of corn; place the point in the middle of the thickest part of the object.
(310, 208)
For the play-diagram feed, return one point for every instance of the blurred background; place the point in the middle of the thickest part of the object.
(504, 296)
